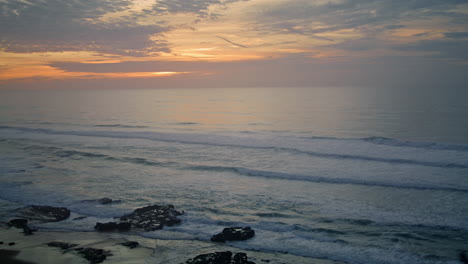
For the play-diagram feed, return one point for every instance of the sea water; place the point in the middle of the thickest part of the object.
(352, 174)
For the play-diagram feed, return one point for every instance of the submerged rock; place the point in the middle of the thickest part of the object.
(152, 217)
(212, 258)
(233, 233)
(61, 245)
(223, 257)
(45, 213)
(22, 223)
(112, 226)
(130, 244)
(93, 255)
(18, 223)
(103, 200)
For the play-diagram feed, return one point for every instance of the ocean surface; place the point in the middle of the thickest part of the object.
(352, 174)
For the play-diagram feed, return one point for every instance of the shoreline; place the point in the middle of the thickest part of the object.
(33, 249)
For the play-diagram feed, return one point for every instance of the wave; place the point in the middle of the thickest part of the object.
(320, 179)
(398, 143)
(262, 143)
(65, 153)
(120, 125)
(412, 144)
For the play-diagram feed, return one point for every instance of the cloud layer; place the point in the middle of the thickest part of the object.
(220, 37)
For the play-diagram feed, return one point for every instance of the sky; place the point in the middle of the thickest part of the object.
(232, 43)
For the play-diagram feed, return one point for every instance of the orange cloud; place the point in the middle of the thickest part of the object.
(49, 72)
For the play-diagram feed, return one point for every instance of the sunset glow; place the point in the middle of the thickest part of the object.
(217, 38)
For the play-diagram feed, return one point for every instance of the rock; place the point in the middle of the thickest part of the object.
(152, 217)
(1, 242)
(61, 245)
(220, 258)
(22, 223)
(233, 233)
(79, 218)
(130, 244)
(241, 258)
(45, 213)
(463, 258)
(28, 231)
(104, 200)
(11, 244)
(106, 227)
(93, 255)
(212, 258)
(112, 226)
(18, 223)
(123, 227)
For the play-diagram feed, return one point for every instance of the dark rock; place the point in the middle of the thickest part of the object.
(112, 226)
(152, 217)
(104, 200)
(18, 223)
(233, 233)
(463, 258)
(212, 258)
(11, 243)
(130, 244)
(22, 223)
(45, 213)
(93, 255)
(28, 231)
(265, 260)
(61, 245)
(79, 218)
(123, 227)
(106, 227)
(1, 242)
(241, 258)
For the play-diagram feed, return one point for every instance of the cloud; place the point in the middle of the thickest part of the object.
(441, 48)
(55, 25)
(348, 14)
(457, 35)
(199, 7)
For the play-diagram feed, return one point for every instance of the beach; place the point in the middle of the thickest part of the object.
(34, 249)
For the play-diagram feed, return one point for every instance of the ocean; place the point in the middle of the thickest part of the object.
(351, 174)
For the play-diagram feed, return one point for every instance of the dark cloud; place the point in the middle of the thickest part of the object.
(199, 7)
(456, 35)
(351, 14)
(55, 25)
(451, 49)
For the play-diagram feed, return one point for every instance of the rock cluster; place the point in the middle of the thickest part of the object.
(224, 257)
(147, 218)
(45, 213)
(93, 255)
(233, 233)
(152, 217)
